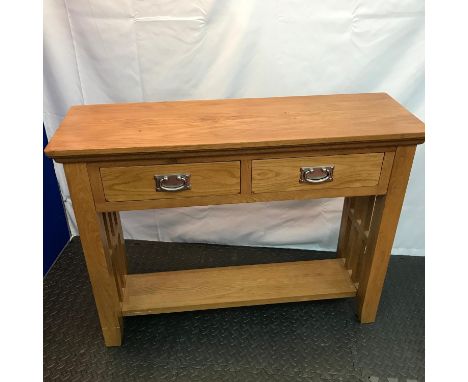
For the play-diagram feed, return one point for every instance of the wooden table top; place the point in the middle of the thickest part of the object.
(137, 128)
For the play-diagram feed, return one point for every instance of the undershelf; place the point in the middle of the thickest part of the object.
(212, 288)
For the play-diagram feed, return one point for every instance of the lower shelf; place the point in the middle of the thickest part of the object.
(212, 288)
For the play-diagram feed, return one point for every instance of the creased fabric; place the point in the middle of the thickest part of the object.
(124, 51)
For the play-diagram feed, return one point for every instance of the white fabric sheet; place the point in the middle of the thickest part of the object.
(103, 51)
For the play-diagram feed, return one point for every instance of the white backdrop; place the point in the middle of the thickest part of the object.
(104, 51)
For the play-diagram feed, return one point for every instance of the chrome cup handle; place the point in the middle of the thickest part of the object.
(172, 182)
(314, 175)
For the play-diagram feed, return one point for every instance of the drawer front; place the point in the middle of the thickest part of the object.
(321, 172)
(139, 182)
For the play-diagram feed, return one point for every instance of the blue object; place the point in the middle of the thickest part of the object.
(56, 233)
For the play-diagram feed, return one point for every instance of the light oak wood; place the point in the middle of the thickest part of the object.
(387, 165)
(343, 236)
(237, 151)
(139, 128)
(94, 173)
(162, 157)
(244, 155)
(213, 288)
(382, 233)
(359, 219)
(103, 205)
(115, 249)
(279, 175)
(138, 183)
(235, 199)
(246, 177)
(104, 252)
(361, 213)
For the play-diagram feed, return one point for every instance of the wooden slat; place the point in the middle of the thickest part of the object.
(139, 128)
(358, 227)
(361, 213)
(246, 177)
(115, 248)
(354, 250)
(345, 228)
(354, 234)
(236, 286)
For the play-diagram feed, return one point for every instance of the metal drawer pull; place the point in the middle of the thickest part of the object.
(316, 175)
(172, 182)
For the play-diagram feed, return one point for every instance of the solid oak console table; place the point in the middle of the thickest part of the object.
(192, 153)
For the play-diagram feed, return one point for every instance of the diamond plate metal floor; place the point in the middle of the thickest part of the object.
(312, 341)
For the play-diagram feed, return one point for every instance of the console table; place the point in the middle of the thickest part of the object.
(191, 153)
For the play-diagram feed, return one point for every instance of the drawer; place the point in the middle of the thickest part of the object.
(320, 172)
(139, 182)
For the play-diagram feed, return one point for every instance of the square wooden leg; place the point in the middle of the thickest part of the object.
(104, 250)
(367, 232)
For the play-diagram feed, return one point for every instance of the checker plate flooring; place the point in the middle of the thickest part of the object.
(311, 341)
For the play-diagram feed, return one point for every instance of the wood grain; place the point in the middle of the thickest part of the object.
(115, 245)
(246, 177)
(236, 286)
(345, 228)
(237, 151)
(387, 165)
(381, 235)
(234, 199)
(245, 159)
(279, 175)
(139, 128)
(259, 152)
(137, 182)
(103, 253)
(359, 219)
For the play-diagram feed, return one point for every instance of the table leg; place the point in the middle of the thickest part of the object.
(104, 249)
(385, 216)
(368, 227)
